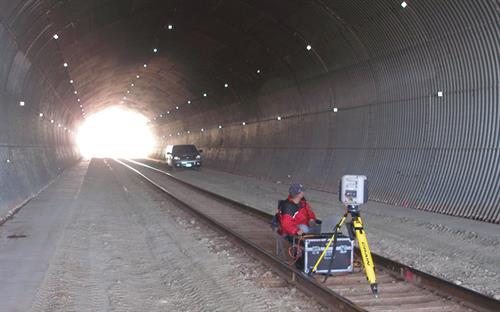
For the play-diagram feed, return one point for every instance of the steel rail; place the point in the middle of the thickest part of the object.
(322, 294)
(446, 289)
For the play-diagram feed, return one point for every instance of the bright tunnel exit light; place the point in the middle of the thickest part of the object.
(115, 133)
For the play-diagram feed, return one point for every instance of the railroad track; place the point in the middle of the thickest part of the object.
(401, 288)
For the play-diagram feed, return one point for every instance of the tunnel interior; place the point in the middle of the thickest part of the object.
(406, 93)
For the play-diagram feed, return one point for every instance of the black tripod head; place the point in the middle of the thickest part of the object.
(353, 209)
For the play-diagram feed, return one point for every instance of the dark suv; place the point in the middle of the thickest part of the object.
(183, 156)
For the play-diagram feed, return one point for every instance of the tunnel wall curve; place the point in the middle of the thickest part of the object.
(418, 111)
(33, 150)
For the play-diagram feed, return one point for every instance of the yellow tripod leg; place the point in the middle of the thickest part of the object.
(366, 255)
(338, 226)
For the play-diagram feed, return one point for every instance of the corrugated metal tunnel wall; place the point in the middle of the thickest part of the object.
(417, 93)
(416, 89)
(35, 142)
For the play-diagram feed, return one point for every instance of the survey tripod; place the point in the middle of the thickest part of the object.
(356, 227)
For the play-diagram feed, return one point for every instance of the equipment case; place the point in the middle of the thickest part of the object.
(344, 254)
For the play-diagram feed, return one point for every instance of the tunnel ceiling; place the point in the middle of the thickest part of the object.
(405, 92)
(211, 43)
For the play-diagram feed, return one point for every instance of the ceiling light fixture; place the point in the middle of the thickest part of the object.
(308, 47)
(404, 4)
(65, 64)
(21, 103)
(55, 36)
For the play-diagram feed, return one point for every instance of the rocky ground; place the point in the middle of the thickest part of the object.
(128, 249)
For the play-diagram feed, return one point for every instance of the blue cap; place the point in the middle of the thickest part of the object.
(296, 188)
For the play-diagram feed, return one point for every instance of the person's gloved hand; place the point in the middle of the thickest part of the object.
(314, 222)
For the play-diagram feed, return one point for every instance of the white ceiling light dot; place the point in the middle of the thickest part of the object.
(55, 36)
(155, 50)
(404, 4)
(170, 26)
(65, 64)
(21, 103)
(335, 109)
(440, 93)
(226, 85)
(308, 47)
(41, 115)
(278, 118)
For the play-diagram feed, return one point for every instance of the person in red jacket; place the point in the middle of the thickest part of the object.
(295, 212)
